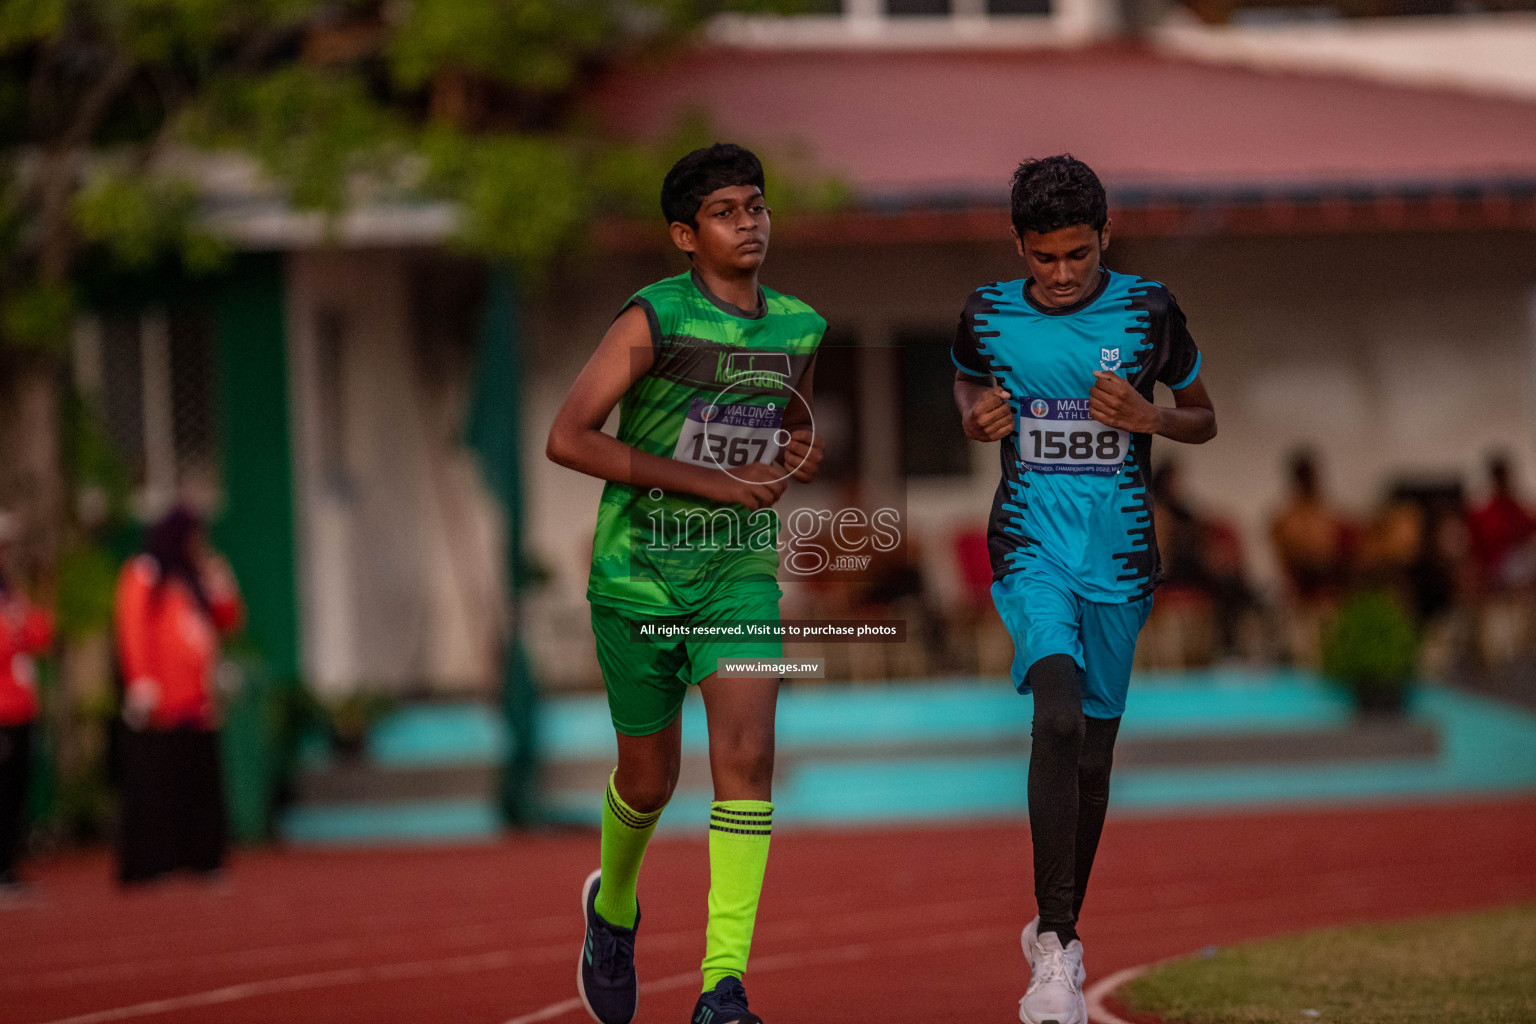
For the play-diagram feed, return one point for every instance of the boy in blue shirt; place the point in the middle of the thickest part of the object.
(1059, 367)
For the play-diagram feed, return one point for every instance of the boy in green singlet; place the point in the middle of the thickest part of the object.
(712, 376)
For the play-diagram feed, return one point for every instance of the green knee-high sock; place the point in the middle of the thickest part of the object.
(625, 833)
(738, 856)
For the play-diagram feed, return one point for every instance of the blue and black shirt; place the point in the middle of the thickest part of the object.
(1073, 498)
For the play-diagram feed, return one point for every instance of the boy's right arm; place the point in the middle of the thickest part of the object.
(985, 414)
(577, 441)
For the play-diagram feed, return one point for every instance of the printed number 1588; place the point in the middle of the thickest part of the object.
(1078, 444)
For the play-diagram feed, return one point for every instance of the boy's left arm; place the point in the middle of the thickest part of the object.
(1115, 403)
(805, 446)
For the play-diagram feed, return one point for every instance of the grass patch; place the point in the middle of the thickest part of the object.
(1471, 969)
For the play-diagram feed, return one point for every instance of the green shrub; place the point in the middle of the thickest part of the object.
(352, 716)
(1371, 648)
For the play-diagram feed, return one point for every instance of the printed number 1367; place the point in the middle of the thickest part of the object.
(735, 451)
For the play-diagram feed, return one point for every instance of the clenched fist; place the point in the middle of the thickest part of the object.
(802, 456)
(990, 418)
(1113, 402)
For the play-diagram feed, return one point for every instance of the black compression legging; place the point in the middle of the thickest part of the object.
(1069, 766)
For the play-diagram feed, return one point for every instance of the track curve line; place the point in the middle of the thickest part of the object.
(1098, 1013)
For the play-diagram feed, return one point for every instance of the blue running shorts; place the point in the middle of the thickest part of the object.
(1044, 616)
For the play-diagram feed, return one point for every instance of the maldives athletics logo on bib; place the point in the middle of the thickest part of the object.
(1039, 408)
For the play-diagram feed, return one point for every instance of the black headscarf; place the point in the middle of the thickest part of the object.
(170, 544)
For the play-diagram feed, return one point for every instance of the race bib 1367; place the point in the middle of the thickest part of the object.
(728, 435)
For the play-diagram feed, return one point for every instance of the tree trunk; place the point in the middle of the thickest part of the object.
(31, 461)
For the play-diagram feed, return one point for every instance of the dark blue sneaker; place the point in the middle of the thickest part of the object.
(605, 974)
(726, 1003)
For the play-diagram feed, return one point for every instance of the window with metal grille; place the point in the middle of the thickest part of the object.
(153, 376)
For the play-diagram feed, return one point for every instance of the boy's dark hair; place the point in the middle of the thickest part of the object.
(702, 172)
(1057, 192)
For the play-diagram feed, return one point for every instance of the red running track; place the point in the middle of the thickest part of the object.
(914, 925)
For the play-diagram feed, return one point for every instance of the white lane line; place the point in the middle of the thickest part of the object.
(488, 961)
(259, 956)
(497, 959)
(552, 1011)
(300, 982)
(789, 961)
(1097, 1012)
(277, 955)
(265, 957)
(220, 995)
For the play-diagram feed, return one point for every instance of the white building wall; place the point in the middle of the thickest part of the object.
(401, 547)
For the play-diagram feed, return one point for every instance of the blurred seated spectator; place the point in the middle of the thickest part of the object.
(893, 586)
(1416, 548)
(975, 563)
(1502, 541)
(1204, 597)
(1180, 533)
(1313, 541)
(1314, 545)
(1416, 545)
(1390, 542)
(1502, 532)
(979, 641)
(1240, 626)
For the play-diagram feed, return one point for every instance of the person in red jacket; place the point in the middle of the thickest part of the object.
(25, 632)
(173, 604)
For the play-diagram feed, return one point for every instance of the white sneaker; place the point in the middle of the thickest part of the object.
(1055, 994)
(1027, 940)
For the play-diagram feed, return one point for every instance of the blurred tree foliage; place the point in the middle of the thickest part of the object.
(102, 100)
(110, 109)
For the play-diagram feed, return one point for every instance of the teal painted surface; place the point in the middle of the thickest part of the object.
(578, 728)
(433, 822)
(1231, 702)
(1485, 748)
(977, 710)
(416, 736)
(436, 734)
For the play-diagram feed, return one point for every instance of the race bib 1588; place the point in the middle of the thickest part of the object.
(1057, 435)
(726, 435)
